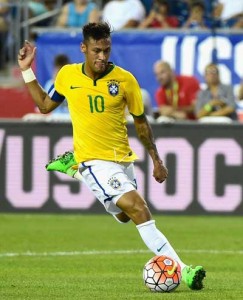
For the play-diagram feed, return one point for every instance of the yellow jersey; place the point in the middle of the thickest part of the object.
(97, 110)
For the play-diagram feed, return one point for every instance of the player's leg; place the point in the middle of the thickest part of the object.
(121, 217)
(65, 163)
(136, 208)
(115, 186)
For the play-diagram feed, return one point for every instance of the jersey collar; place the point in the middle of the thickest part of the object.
(111, 66)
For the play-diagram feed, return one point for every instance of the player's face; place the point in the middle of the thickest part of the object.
(97, 55)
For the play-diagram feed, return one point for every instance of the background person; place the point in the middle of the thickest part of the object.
(159, 16)
(60, 60)
(177, 93)
(229, 12)
(77, 13)
(196, 18)
(216, 99)
(122, 14)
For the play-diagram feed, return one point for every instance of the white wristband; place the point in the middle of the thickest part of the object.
(28, 75)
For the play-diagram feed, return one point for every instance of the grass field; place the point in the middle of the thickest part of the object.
(94, 257)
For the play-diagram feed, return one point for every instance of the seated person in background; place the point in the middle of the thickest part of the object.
(230, 12)
(240, 92)
(180, 9)
(78, 13)
(239, 103)
(123, 13)
(36, 8)
(238, 23)
(148, 109)
(196, 18)
(217, 99)
(159, 16)
(176, 95)
(60, 60)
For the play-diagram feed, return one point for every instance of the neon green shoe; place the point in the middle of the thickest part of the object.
(64, 163)
(193, 277)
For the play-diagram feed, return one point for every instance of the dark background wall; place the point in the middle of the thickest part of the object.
(205, 165)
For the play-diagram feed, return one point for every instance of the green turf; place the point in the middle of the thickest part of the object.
(84, 257)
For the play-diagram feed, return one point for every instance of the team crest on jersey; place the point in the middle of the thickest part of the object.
(114, 183)
(113, 87)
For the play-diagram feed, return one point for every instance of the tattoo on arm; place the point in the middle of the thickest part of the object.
(145, 135)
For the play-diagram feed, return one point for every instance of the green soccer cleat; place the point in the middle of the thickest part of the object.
(64, 163)
(193, 277)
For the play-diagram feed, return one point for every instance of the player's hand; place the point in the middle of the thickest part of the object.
(160, 171)
(26, 56)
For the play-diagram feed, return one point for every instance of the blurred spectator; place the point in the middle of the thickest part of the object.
(176, 95)
(180, 9)
(239, 103)
(230, 12)
(50, 4)
(147, 5)
(148, 108)
(239, 23)
(159, 16)
(4, 11)
(196, 18)
(123, 13)
(209, 7)
(36, 8)
(240, 92)
(60, 60)
(78, 13)
(216, 99)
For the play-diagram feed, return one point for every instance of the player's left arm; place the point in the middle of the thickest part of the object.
(144, 131)
(145, 134)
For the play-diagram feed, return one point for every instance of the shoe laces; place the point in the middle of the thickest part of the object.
(188, 269)
(65, 158)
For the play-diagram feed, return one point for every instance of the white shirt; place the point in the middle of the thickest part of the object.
(231, 8)
(118, 12)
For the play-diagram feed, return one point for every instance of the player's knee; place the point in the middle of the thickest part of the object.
(138, 211)
(122, 218)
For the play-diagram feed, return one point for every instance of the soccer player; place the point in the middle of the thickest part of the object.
(97, 92)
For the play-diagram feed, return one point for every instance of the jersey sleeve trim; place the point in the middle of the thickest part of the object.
(140, 116)
(54, 95)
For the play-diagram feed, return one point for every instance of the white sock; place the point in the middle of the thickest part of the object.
(78, 176)
(157, 242)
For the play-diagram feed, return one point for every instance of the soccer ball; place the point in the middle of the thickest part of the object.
(162, 274)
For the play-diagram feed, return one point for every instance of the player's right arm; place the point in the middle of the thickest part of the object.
(41, 98)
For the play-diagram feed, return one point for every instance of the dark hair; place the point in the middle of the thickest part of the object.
(162, 2)
(61, 60)
(96, 31)
(199, 3)
(212, 65)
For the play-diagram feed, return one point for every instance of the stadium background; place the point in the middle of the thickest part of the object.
(52, 248)
(205, 171)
